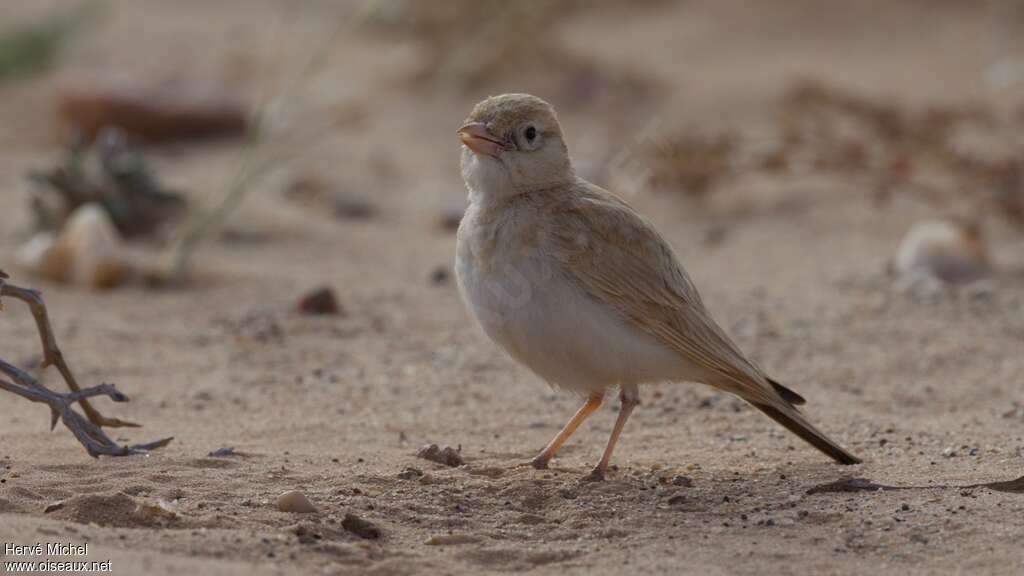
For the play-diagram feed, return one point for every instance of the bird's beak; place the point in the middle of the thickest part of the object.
(479, 139)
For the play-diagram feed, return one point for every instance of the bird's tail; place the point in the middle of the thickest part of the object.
(797, 424)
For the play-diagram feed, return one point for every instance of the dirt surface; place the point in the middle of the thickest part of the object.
(926, 388)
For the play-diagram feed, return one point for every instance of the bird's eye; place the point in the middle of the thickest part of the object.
(530, 133)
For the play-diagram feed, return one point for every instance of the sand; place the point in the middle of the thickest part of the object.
(926, 388)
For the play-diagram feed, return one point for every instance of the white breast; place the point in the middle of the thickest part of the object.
(528, 305)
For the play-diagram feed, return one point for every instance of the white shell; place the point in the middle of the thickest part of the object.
(942, 250)
(88, 252)
(295, 501)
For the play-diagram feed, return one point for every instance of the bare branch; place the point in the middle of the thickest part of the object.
(88, 431)
(52, 356)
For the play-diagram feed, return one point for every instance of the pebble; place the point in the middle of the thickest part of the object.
(446, 455)
(321, 301)
(360, 527)
(295, 502)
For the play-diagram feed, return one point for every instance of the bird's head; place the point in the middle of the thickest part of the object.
(513, 144)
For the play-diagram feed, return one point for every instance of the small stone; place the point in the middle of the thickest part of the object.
(360, 527)
(447, 455)
(321, 301)
(677, 499)
(410, 473)
(295, 502)
(680, 480)
(222, 452)
(53, 507)
(949, 452)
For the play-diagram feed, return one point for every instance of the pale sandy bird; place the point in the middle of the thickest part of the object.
(580, 288)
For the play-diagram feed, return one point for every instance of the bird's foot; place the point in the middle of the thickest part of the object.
(540, 463)
(596, 475)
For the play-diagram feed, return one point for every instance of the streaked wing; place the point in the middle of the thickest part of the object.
(619, 259)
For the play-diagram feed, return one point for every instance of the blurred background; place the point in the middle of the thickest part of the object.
(247, 116)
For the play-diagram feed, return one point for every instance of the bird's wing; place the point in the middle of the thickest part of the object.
(619, 259)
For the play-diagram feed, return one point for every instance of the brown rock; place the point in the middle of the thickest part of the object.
(321, 301)
(151, 112)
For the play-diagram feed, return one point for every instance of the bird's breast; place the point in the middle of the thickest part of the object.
(528, 305)
(499, 266)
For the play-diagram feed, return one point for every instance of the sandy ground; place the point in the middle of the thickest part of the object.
(927, 390)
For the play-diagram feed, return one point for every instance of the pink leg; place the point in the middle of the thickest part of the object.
(630, 399)
(542, 459)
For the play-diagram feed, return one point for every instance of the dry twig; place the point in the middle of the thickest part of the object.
(88, 430)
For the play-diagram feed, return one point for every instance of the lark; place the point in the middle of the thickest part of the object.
(576, 285)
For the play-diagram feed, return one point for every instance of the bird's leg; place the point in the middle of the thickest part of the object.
(542, 459)
(630, 397)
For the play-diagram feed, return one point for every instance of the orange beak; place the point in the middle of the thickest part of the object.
(479, 139)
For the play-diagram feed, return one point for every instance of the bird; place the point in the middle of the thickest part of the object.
(579, 287)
